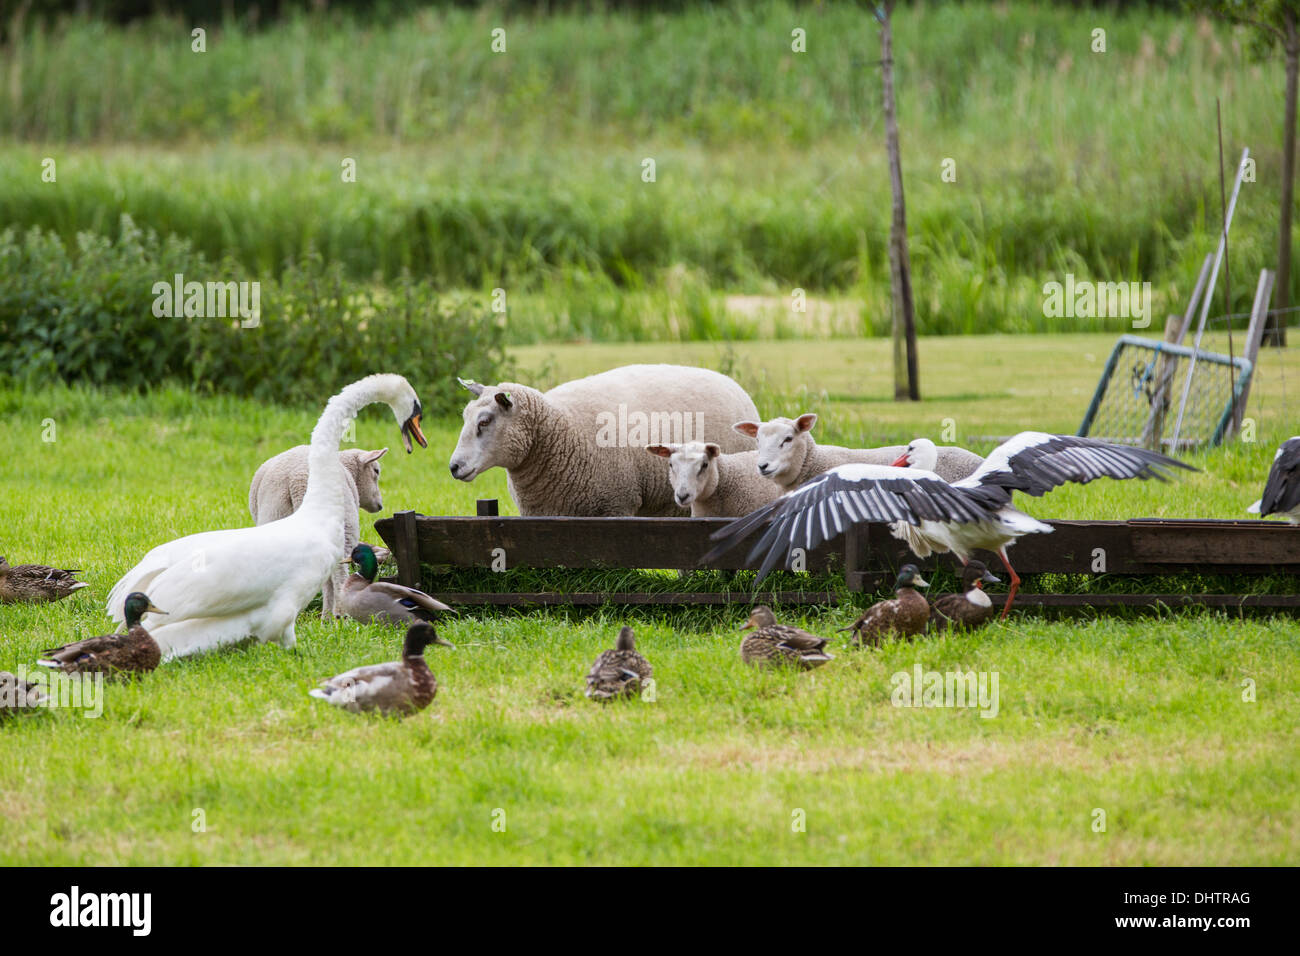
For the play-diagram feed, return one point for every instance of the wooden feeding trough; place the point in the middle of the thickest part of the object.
(868, 556)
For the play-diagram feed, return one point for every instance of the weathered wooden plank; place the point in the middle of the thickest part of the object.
(1216, 543)
(588, 598)
(674, 543)
(1228, 601)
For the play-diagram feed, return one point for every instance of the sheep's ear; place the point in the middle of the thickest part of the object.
(472, 386)
(663, 451)
(503, 399)
(374, 456)
(805, 422)
(712, 450)
(747, 428)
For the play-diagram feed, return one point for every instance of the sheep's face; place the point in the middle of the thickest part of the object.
(783, 444)
(493, 435)
(692, 470)
(366, 472)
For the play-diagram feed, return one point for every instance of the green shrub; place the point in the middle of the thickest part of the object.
(87, 314)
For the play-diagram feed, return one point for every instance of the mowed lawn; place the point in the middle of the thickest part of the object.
(1182, 729)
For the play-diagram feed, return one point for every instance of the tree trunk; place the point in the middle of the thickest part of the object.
(906, 380)
(1275, 330)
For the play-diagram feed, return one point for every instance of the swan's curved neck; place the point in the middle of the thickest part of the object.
(326, 480)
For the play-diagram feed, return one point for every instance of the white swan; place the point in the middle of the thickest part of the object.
(223, 586)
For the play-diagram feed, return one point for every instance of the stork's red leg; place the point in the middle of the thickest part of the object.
(1015, 583)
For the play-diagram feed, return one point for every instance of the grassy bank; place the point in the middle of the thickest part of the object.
(1144, 719)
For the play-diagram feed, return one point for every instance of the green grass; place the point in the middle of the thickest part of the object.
(1141, 718)
(523, 171)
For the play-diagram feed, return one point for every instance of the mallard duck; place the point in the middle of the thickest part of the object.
(36, 583)
(618, 673)
(365, 599)
(969, 610)
(903, 616)
(397, 688)
(18, 696)
(224, 586)
(135, 652)
(773, 643)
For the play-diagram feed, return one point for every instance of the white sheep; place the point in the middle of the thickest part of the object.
(278, 487)
(789, 455)
(713, 484)
(579, 449)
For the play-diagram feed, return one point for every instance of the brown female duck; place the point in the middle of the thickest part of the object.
(36, 583)
(18, 695)
(773, 643)
(619, 672)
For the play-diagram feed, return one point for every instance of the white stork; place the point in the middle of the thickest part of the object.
(1282, 490)
(927, 512)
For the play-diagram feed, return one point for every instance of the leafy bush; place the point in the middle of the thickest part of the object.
(87, 314)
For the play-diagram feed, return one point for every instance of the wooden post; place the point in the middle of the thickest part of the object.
(487, 508)
(1259, 323)
(406, 548)
(906, 377)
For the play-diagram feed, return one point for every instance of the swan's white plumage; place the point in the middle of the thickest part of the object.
(220, 587)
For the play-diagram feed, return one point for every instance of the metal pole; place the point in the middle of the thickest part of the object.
(1209, 295)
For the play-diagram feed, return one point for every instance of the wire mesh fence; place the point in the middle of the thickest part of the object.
(1141, 390)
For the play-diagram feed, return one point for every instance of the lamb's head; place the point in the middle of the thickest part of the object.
(692, 469)
(364, 468)
(783, 445)
(498, 429)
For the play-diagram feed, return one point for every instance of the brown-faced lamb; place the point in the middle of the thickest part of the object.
(579, 449)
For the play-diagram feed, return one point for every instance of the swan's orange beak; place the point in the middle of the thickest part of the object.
(411, 428)
(901, 463)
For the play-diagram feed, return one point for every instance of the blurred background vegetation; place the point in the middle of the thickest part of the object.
(522, 170)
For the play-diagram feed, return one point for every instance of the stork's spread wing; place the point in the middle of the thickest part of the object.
(1282, 490)
(853, 494)
(1035, 463)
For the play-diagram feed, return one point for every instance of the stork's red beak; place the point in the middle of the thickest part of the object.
(901, 463)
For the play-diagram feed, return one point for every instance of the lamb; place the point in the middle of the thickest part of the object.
(280, 483)
(789, 455)
(578, 449)
(712, 484)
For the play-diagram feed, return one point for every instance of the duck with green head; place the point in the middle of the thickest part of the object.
(132, 652)
(362, 598)
(395, 689)
(903, 616)
(780, 644)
